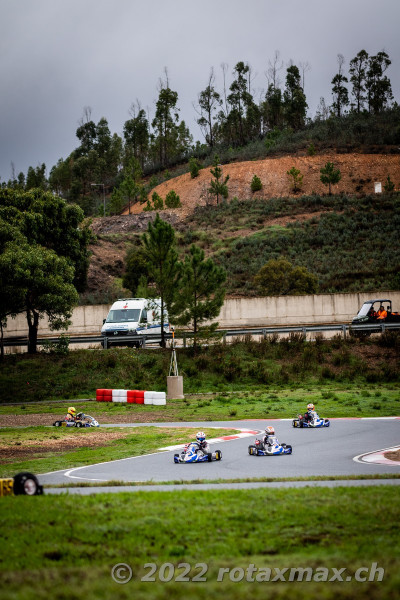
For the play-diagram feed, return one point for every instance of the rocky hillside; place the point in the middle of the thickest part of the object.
(359, 172)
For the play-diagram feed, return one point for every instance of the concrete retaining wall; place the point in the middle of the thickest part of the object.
(297, 310)
(236, 312)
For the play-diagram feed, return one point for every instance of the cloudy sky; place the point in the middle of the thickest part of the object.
(59, 56)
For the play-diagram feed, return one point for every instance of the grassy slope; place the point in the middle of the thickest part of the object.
(73, 548)
(345, 230)
(244, 366)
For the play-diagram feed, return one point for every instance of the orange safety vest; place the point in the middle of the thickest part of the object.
(382, 314)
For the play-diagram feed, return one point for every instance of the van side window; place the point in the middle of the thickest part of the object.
(143, 318)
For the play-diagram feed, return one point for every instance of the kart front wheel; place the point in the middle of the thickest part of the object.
(176, 458)
(252, 450)
(209, 456)
(79, 424)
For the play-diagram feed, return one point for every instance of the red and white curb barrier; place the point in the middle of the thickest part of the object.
(378, 457)
(131, 396)
(219, 440)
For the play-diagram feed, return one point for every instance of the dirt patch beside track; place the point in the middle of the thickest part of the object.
(393, 455)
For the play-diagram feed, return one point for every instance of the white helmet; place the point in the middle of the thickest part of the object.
(270, 430)
(200, 436)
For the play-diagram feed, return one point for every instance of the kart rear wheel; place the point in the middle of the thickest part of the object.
(26, 484)
(252, 450)
(295, 423)
(209, 456)
(218, 455)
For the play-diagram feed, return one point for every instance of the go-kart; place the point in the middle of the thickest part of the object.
(82, 420)
(192, 453)
(316, 422)
(261, 449)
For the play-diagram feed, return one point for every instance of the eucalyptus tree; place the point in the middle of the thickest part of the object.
(339, 90)
(294, 99)
(209, 100)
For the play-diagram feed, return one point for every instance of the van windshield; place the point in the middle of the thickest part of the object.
(124, 315)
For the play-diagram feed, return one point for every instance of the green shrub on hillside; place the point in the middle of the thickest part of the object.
(389, 185)
(172, 200)
(281, 278)
(194, 167)
(296, 179)
(256, 184)
(158, 203)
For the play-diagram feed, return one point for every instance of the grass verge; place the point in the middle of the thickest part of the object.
(73, 548)
(333, 400)
(117, 483)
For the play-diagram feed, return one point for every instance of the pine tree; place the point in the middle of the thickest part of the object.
(162, 264)
(218, 185)
(330, 175)
(296, 178)
(201, 290)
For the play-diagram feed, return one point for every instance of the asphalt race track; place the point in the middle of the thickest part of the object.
(325, 451)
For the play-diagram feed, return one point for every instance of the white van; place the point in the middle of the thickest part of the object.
(131, 316)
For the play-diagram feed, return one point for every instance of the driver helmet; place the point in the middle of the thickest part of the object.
(200, 436)
(72, 411)
(310, 407)
(270, 430)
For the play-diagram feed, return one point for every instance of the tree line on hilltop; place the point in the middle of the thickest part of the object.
(105, 172)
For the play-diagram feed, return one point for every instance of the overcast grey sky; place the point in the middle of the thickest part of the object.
(58, 56)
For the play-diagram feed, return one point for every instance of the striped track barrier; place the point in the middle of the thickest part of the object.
(131, 396)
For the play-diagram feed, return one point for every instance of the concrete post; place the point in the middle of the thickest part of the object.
(175, 387)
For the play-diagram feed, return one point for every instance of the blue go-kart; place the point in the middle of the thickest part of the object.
(271, 449)
(316, 422)
(192, 453)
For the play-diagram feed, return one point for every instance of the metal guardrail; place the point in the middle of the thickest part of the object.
(345, 329)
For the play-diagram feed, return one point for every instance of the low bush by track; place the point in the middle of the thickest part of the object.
(242, 366)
